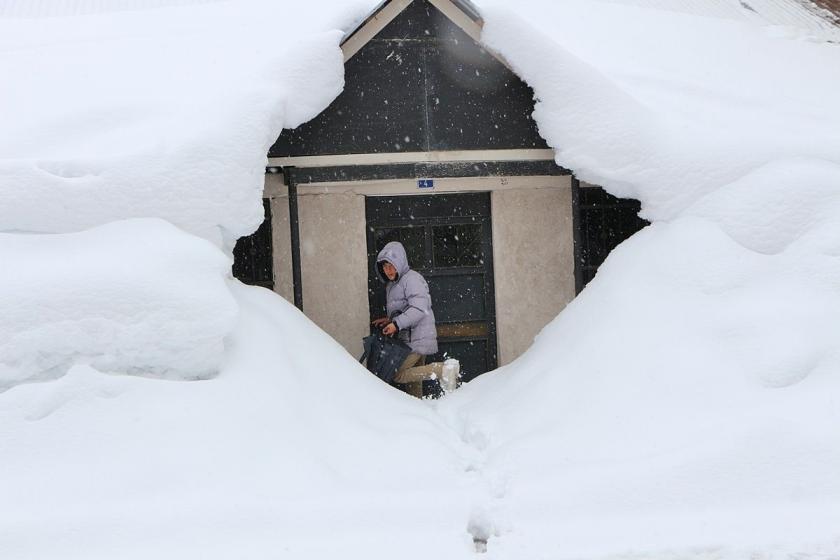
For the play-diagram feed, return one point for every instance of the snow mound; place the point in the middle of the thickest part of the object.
(700, 420)
(684, 405)
(294, 451)
(140, 115)
(139, 297)
(783, 203)
(164, 113)
(63, 8)
(667, 125)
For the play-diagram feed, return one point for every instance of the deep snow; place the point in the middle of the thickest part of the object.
(293, 451)
(137, 296)
(686, 402)
(163, 113)
(685, 405)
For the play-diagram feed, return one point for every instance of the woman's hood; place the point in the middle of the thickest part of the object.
(394, 253)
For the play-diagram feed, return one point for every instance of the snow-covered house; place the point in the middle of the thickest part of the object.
(431, 143)
(684, 406)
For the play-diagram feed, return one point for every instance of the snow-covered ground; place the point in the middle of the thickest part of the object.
(135, 296)
(293, 451)
(686, 405)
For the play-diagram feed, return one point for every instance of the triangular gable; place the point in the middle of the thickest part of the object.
(421, 84)
(461, 12)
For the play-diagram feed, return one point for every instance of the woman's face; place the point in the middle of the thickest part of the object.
(389, 270)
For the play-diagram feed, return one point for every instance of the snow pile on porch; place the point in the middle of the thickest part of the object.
(686, 403)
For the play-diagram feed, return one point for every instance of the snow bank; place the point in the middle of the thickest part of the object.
(63, 8)
(701, 420)
(685, 405)
(164, 113)
(672, 115)
(293, 451)
(138, 296)
(116, 126)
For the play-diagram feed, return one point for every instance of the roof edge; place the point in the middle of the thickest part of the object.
(463, 13)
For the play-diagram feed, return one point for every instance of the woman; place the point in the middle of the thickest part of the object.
(411, 319)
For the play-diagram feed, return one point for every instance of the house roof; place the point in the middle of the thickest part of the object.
(465, 6)
(463, 13)
(829, 9)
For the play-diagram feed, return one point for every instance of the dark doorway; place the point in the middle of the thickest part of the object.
(603, 221)
(252, 257)
(448, 239)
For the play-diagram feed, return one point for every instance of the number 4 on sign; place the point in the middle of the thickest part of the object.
(425, 183)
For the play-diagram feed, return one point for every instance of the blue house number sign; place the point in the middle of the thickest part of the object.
(425, 183)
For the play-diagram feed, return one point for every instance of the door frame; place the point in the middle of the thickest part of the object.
(482, 214)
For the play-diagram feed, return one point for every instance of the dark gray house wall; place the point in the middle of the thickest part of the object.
(421, 84)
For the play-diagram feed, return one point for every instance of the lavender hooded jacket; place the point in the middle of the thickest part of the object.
(408, 302)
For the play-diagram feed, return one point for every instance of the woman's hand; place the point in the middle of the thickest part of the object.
(381, 322)
(390, 329)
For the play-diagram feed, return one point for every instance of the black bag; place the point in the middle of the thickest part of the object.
(384, 355)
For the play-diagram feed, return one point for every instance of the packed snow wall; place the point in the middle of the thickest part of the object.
(686, 400)
(140, 115)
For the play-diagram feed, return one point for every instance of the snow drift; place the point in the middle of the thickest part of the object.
(684, 406)
(164, 113)
(293, 451)
(139, 296)
(685, 403)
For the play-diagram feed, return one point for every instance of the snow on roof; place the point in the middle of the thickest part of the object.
(818, 16)
(126, 114)
(817, 20)
(684, 105)
(65, 8)
(798, 14)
